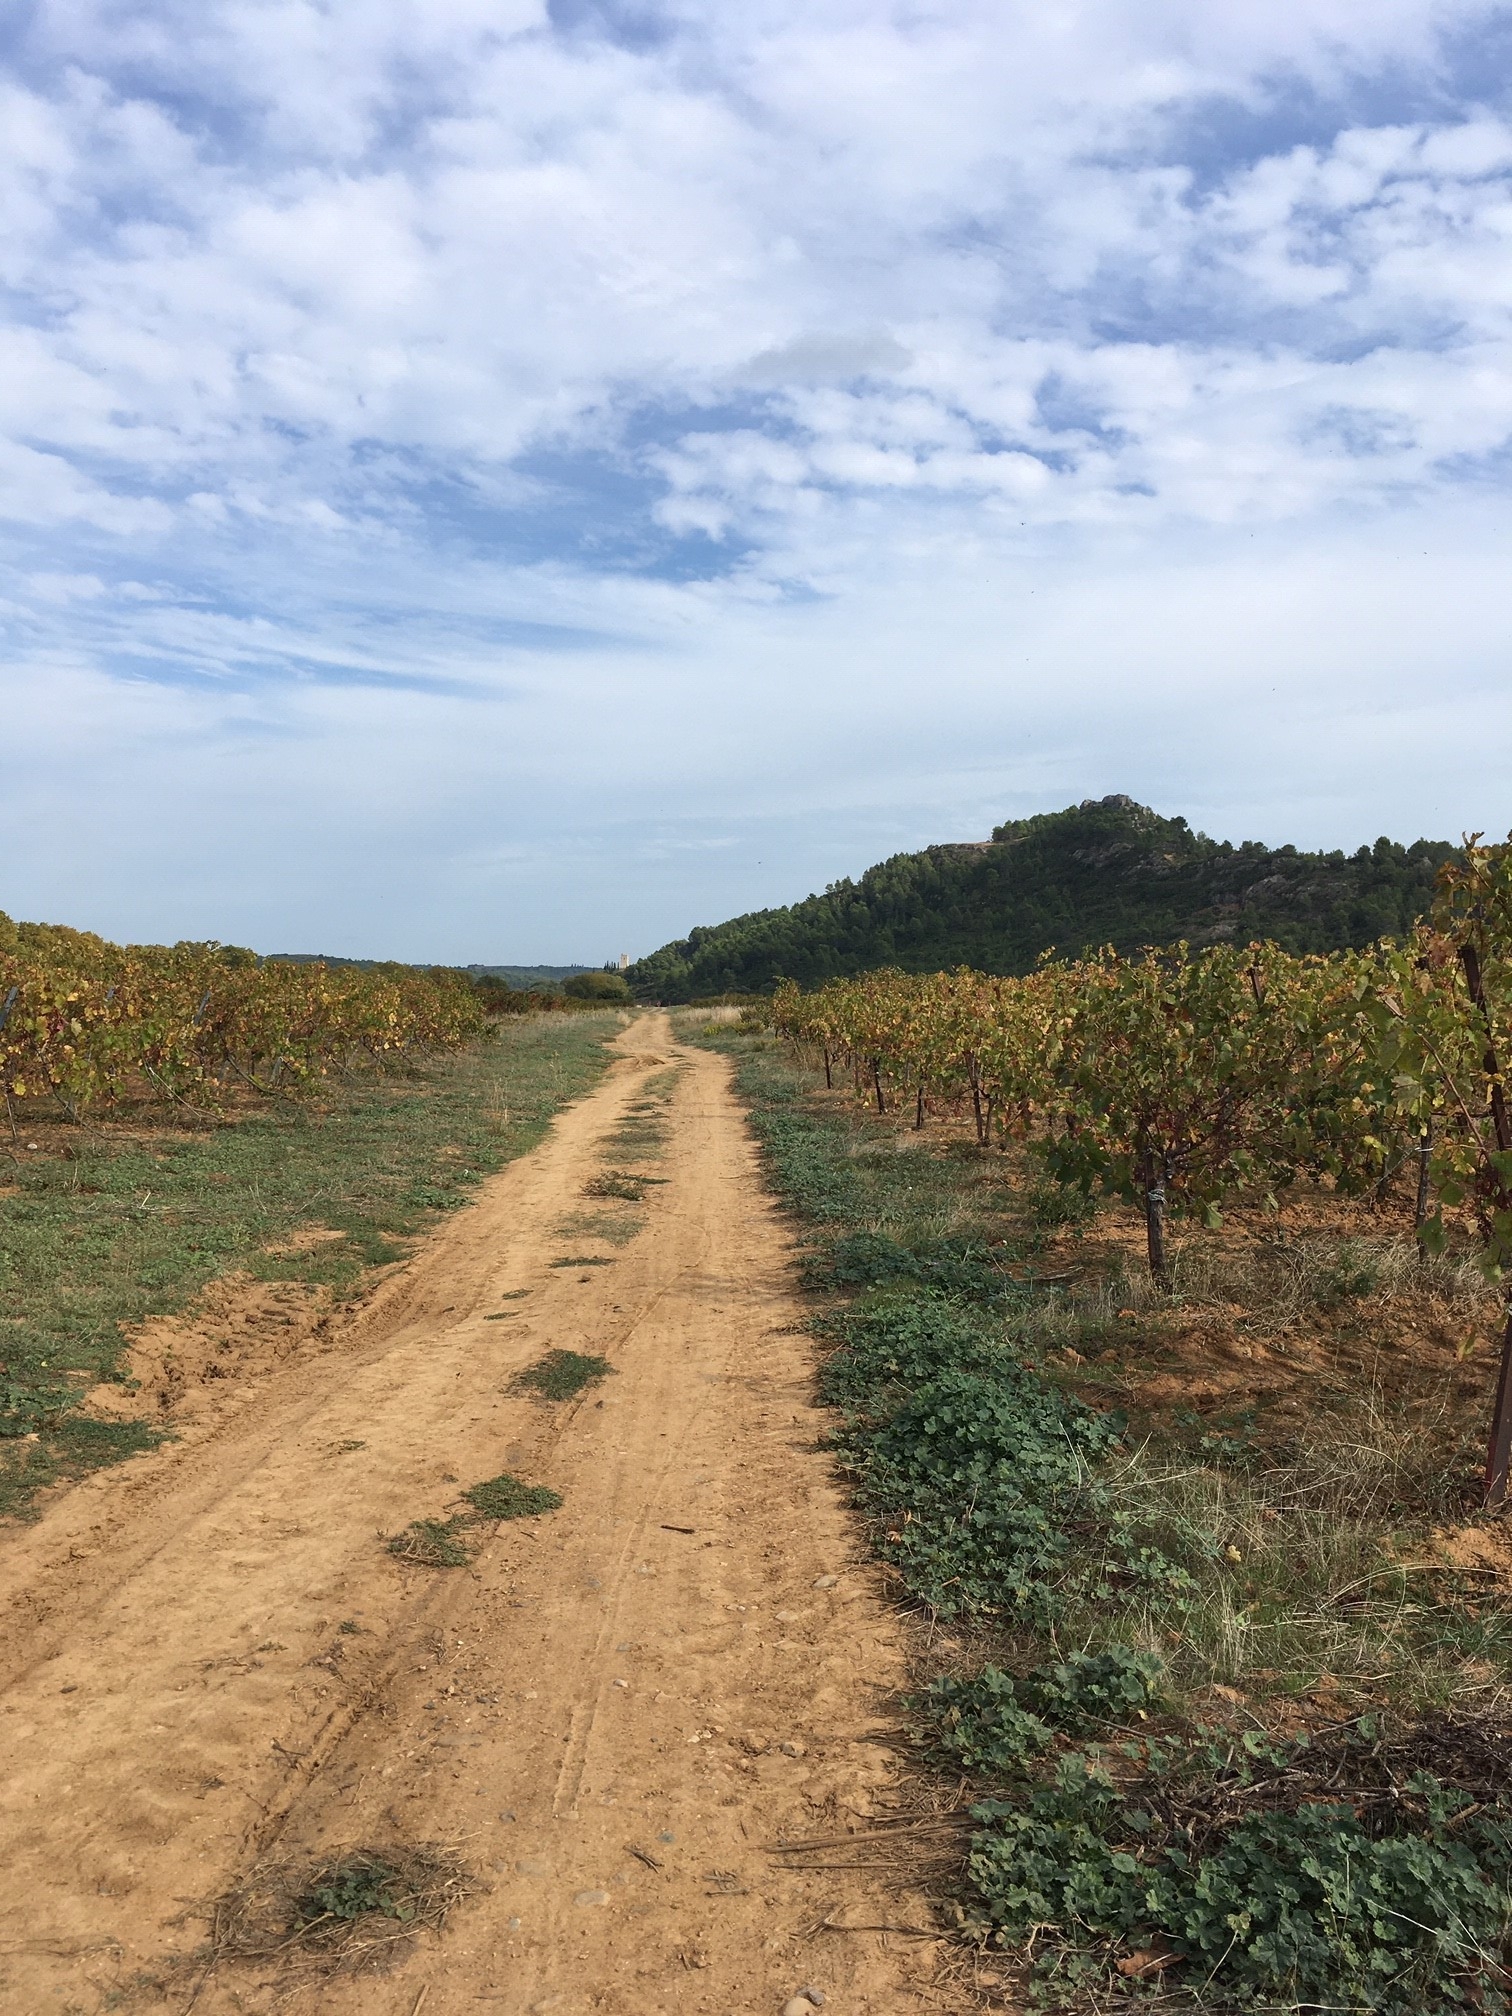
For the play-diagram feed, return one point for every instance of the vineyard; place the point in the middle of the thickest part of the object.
(85, 1024)
(1182, 1080)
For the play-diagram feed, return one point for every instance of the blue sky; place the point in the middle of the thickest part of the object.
(482, 479)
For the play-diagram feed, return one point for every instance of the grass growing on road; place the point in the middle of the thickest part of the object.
(438, 1543)
(561, 1375)
(506, 1497)
(615, 1228)
(431, 1543)
(353, 1913)
(101, 1229)
(640, 1135)
(627, 1184)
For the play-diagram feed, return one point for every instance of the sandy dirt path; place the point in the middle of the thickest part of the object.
(690, 1659)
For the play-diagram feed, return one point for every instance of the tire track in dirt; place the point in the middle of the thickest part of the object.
(181, 1696)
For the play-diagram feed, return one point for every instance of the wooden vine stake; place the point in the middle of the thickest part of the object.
(1155, 1221)
(1499, 1443)
(1446, 1031)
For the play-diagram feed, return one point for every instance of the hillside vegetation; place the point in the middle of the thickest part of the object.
(1107, 872)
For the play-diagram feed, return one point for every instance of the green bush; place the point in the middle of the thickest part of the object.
(996, 1723)
(986, 1475)
(957, 1267)
(1305, 1906)
(605, 987)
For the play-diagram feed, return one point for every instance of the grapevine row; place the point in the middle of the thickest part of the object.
(1176, 1077)
(85, 1024)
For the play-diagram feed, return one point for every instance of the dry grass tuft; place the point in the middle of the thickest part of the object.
(629, 1184)
(1273, 1285)
(431, 1543)
(1314, 1569)
(355, 1913)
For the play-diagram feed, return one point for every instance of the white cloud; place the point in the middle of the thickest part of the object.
(443, 365)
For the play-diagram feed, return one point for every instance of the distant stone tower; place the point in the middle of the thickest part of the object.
(624, 961)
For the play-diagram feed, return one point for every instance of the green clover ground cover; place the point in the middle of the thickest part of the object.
(1126, 1844)
(104, 1229)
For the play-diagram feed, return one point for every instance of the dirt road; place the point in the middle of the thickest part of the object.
(210, 1658)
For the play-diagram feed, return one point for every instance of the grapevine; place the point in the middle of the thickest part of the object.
(86, 1024)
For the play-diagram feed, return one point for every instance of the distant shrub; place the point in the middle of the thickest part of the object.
(597, 987)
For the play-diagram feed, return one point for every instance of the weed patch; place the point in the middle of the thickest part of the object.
(984, 1481)
(440, 1543)
(1051, 1207)
(353, 1913)
(1343, 1873)
(956, 1267)
(623, 1183)
(562, 1374)
(584, 1260)
(638, 1136)
(614, 1228)
(506, 1497)
(432, 1543)
(77, 1444)
(993, 1723)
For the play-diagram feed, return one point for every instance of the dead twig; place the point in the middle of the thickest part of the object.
(960, 1817)
(821, 1866)
(908, 1931)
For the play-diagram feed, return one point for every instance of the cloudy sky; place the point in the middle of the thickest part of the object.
(512, 479)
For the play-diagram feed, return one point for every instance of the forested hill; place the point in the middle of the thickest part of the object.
(1107, 872)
